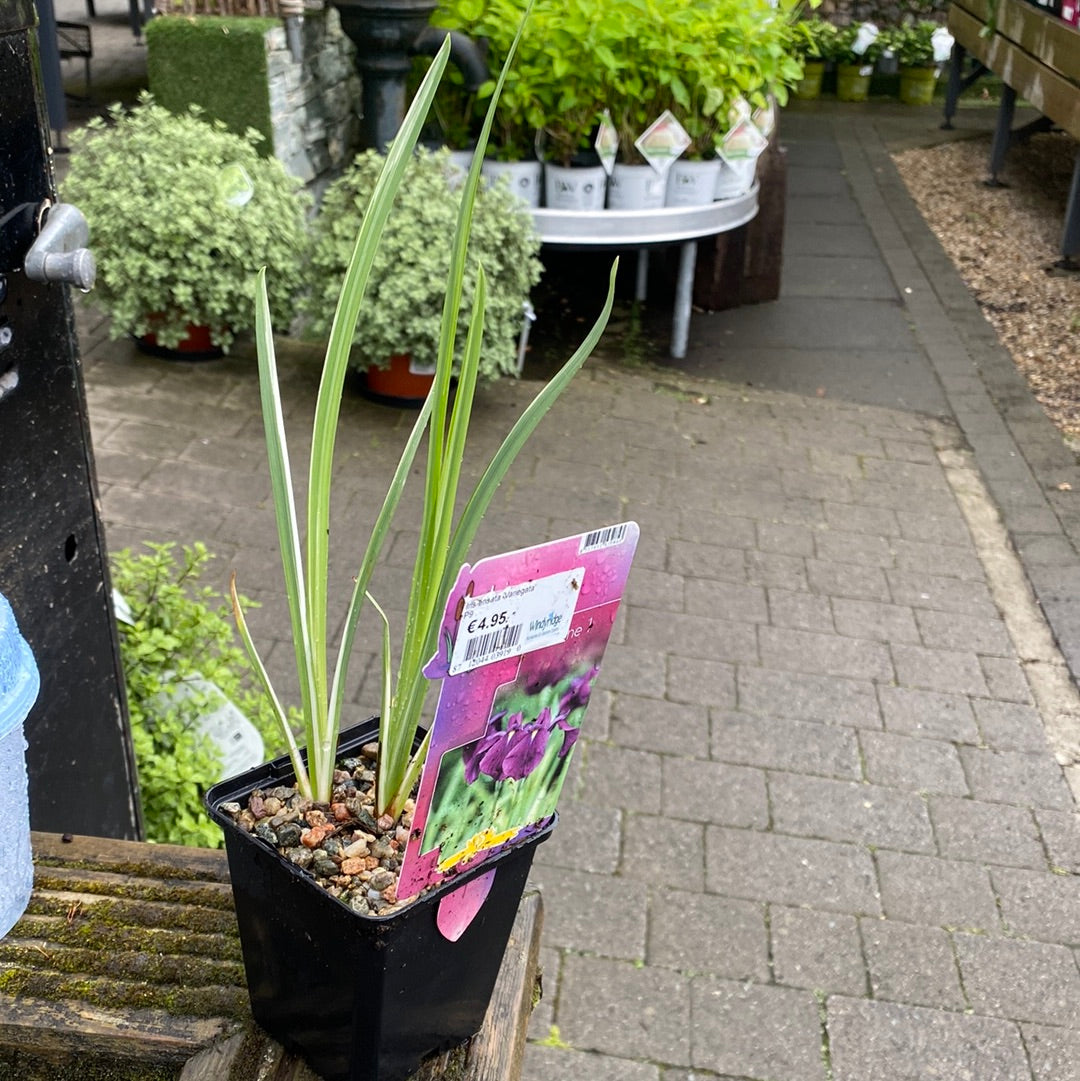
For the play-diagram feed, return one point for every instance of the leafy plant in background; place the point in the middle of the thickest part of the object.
(178, 631)
(841, 47)
(409, 271)
(445, 535)
(182, 213)
(814, 38)
(912, 45)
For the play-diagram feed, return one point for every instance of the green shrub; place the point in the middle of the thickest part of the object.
(408, 278)
(182, 215)
(179, 630)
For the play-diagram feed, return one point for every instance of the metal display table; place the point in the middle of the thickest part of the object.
(642, 229)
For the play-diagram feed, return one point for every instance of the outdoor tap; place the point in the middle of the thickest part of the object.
(59, 252)
(465, 54)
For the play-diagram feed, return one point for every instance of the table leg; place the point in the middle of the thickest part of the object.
(641, 283)
(1002, 135)
(684, 288)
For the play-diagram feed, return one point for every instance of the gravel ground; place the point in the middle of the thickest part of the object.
(1003, 242)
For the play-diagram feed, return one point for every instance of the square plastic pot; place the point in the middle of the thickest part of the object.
(360, 998)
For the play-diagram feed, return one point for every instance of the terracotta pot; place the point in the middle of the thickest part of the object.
(400, 383)
(198, 345)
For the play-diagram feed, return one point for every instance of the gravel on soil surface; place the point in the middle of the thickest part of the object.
(1004, 242)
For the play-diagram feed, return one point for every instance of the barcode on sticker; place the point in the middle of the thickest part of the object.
(603, 538)
(480, 648)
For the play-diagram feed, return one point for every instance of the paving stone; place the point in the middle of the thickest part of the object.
(940, 593)
(860, 519)
(1054, 1052)
(862, 549)
(820, 951)
(792, 540)
(776, 571)
(805, 651)
(1005, 679)
(947, 671)
(847, 580)
(667, 727)
(700, 682)
(937, 892)
(722, 530)
(800, 696)
(747, 1030)
(712, 639)
(1010, 726)
(802, 611)
(1061, 835)
(636, 671)
(847, 811)
(629, 1012)
(794, 746)
(970, 829)
(728, 600)
(1039, 904)
(1014, 777)
(1027, 981)
(706, 561)
(951, 630)
(714, 792)
(911, 964)
(872, 619)
(949, 562)
(817, 486)
(597, 913)
(698, 933)
(928, 714)
(921, 765)
(790, 871)
(871, 1040)
(559, 1063)
(684, 848)
(619, 777)
(588, 838)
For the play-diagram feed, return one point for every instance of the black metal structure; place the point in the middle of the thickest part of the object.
(52, 556)
(387, 34)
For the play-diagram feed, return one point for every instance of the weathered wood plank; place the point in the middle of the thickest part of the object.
(128, 957)
(1044, 36)
(1049, 92)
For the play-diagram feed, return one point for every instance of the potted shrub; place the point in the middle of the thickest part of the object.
(920, 48)
(814, 42)
(182, 213)
(408, 276)
(364, 996)
(855, 49)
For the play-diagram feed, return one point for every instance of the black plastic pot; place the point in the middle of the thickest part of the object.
(361, 998)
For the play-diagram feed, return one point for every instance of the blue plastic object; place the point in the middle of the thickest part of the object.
(19, 683)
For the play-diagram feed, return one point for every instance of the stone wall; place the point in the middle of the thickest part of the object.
(882, 12)
(314, 103)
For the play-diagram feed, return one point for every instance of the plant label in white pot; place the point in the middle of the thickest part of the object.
(636, 187)
(693, 183)
(574, 187)
(664, 140)
(19, 683)
(523, 177)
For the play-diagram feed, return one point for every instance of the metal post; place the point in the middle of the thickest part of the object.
(641, 282)
(952, 90)
(1070, 239)
(1002, 135)
(684, 288)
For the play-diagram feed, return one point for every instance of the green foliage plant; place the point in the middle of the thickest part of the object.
(814, 38)
(182, 214)
(840, 47)
(445, 533)
(408, 275)
(217, 63)
(178, 631)
(912, 45)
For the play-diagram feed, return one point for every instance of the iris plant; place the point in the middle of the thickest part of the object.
(445, 534)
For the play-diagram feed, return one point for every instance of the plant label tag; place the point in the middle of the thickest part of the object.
(607, 142)
(521, 642)
(515, 620)
(742, 141)
(764, 117)
(662, 142)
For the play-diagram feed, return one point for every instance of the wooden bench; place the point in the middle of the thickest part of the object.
(127, 965)
(1037, 57)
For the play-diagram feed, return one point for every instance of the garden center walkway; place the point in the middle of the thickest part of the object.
(822, 825)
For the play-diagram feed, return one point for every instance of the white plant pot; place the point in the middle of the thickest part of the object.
(574, 188)
(735, 178)
(525, 178)
(692, 183)
(458, 164)
(636, 187)
(19, 685)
